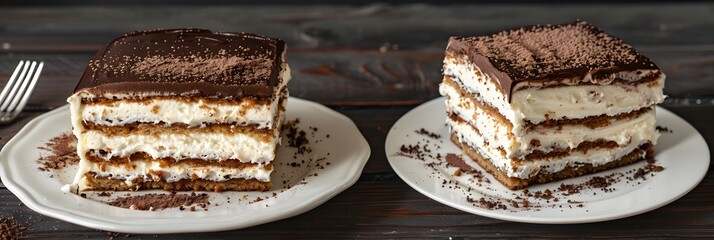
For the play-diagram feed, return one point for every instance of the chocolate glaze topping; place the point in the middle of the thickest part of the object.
(187, 62)
(544, 53)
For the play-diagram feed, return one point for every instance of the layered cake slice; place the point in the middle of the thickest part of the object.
(544, 103)
(183, 109)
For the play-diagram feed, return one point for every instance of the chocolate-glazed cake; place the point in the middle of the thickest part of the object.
(182, 109)
(544, 103)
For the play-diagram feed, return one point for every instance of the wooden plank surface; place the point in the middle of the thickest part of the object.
(377, 54)
(374, 63)
(413, 26)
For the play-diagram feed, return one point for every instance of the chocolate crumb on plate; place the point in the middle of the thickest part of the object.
(642, 172)
(297, 138)
(488, 204)
(465, 176)
(663, 129)
(424, 132)
(62, 152)
(411, 151)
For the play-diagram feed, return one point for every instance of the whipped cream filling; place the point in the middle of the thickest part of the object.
(193, 114)
(169, 111)
(535, 104)
(517, 145)
(526, 169)
(573, 102)
(484, 88)
(146, 171)
(209, 146)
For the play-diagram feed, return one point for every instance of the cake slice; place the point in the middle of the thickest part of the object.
(544, 103)
(182, 109)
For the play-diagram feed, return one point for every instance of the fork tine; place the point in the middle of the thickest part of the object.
(5, 115)
(13, 79)
(17, 90)
(29, 89)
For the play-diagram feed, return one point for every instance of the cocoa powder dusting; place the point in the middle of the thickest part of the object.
(215, 67)
(599, 182)
(538, 52)
(411, 151)
(569, 189)
(641, 173)
(62, 152)
(154, 201)
(603, 183)
(488, 204)
(426, 150)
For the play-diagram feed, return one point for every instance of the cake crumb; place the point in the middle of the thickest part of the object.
(488, 204)
(105, 194)
(663, 129)
(297, 138)
(424, 132)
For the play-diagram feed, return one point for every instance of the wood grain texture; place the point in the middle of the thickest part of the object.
(8, 131)
(376, 54)
(374, 63)
(412, 26)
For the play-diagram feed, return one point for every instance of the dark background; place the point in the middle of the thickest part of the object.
(374, 61)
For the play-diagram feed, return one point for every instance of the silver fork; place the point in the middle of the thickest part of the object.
(18, 90)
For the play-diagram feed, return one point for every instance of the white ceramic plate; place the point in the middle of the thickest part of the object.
(345, 149)
(683, 153)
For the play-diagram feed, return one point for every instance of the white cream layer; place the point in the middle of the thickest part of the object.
(210, 146)
(575, 102)
(533, 103)
(640, 129)
(142, 169)
(170, 111)
(597, 157)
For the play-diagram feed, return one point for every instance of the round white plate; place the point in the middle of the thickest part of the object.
(683, 153)
(334, 164)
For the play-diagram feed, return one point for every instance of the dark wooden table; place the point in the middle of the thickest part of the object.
(373, 63)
